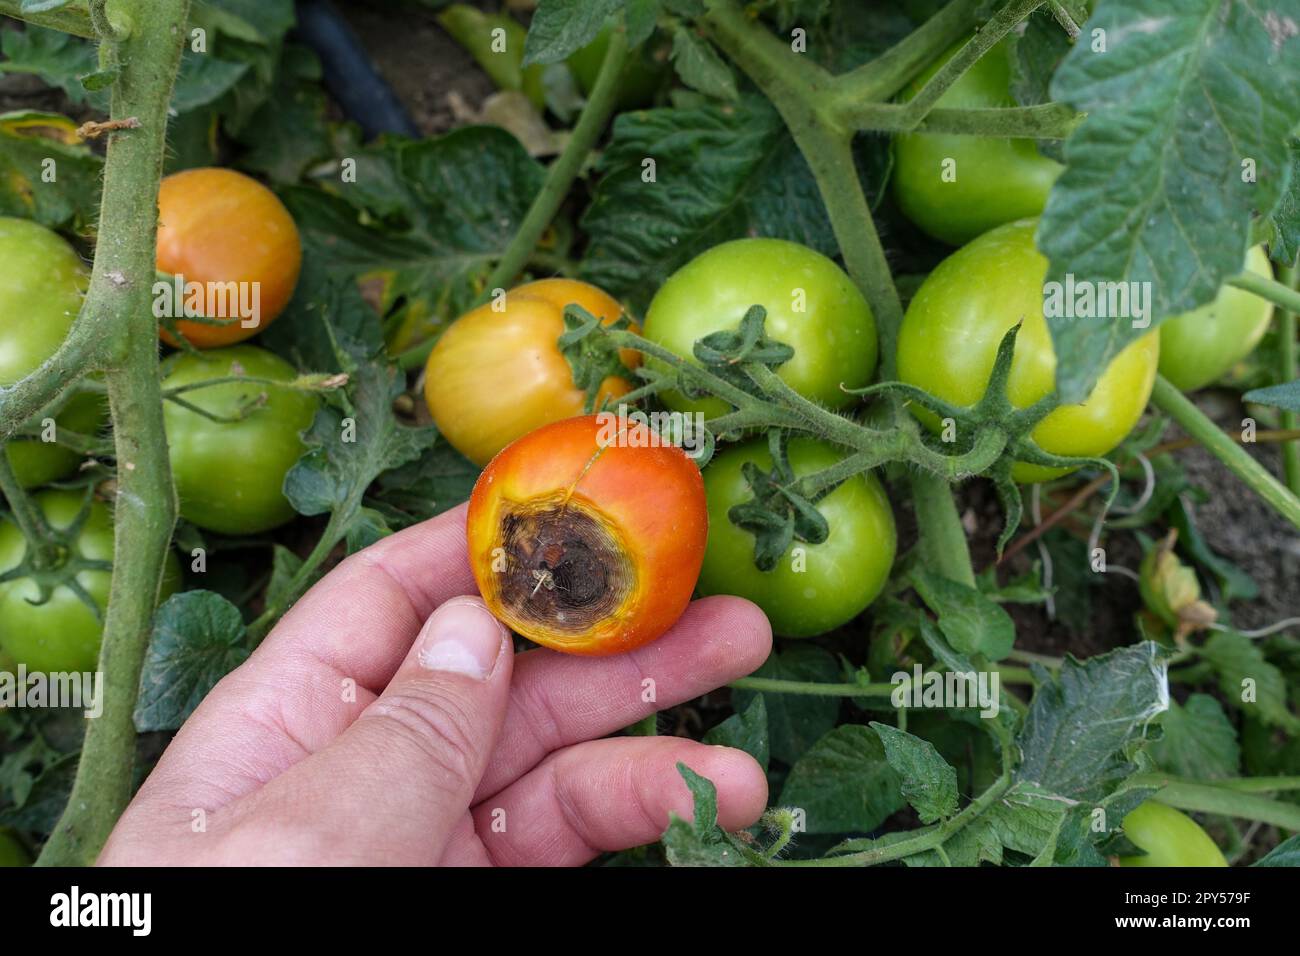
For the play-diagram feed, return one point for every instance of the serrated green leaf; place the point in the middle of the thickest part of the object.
(971, 622)
(1285, 397)
(1154, 192)
(745, 730)
(1199, 741)
(561, 27)
(700, 67)
(1243, 672)
(1286, 853)
(700, 842)
(844, 783)
(929, 784)
(198, 638)
(795, 721)
(1080, 723)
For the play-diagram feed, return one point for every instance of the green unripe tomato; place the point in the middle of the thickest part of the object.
(950, 335)
(62, 634)
(814, 588)
(811, 306)
(13, 853)
(995, 180)
(1198, 347)
(229, 474)
(42, 282)
(1169, 838)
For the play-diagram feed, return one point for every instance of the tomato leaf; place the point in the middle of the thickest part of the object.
(844, 783)
(198, 637)
(562, 27)
(795, 721)
(425, 219)
(929, 784)
(700, 841)
(745, 730)
(1189, 109)
(1248, 681)
(29, 141)
(700, 67)
(1199, 741)
(1284, 246)
(1285, 396)
(1286, 853)
(717, 173)
(1084, 719)
(972, 623)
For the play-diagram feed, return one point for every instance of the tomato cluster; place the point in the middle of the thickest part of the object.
(232, 417)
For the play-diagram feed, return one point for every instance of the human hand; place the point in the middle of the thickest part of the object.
(385, 720)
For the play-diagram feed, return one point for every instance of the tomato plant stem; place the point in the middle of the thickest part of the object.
(1289, 371)
(117, 309)
(1279, 293)
(1211, 798)
(1177, 406)
(879, 79)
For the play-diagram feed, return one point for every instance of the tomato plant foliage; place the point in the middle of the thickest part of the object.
(1173, 126)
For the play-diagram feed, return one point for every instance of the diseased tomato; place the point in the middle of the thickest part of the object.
(815, 587)
(229, 474)
(230, 234)
(587, 535)
(42, 282)
(953, 326)
(63, 633)
(495, 376)
(1199, 347)
(1170, 838)
(957, 187)
(811, 306)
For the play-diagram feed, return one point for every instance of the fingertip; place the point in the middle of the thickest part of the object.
(743, 624)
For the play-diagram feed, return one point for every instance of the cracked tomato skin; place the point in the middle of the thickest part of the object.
(1198, 347)
(217, 225)
(619, 531)
(495, 376)
(950, 335)
(1169, 837)
(63, 634)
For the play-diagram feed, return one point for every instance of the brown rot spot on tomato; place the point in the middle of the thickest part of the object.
(563, 565)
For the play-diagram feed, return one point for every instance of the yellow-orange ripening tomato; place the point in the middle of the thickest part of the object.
(587, 535)
(232, 236)
(497, 373)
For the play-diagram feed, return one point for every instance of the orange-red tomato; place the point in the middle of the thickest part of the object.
(587, 535)
(217, 226)
(495, 376)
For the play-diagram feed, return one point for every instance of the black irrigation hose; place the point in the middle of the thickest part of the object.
(350, 75)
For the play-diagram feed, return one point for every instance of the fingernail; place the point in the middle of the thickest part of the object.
(461, 638)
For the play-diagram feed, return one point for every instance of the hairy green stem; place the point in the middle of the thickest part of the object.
(1209, 798)
(145, 507)
(1192, 420)
(1045, 121)
(882, 77)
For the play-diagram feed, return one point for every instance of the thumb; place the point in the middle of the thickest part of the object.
(397, 782)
